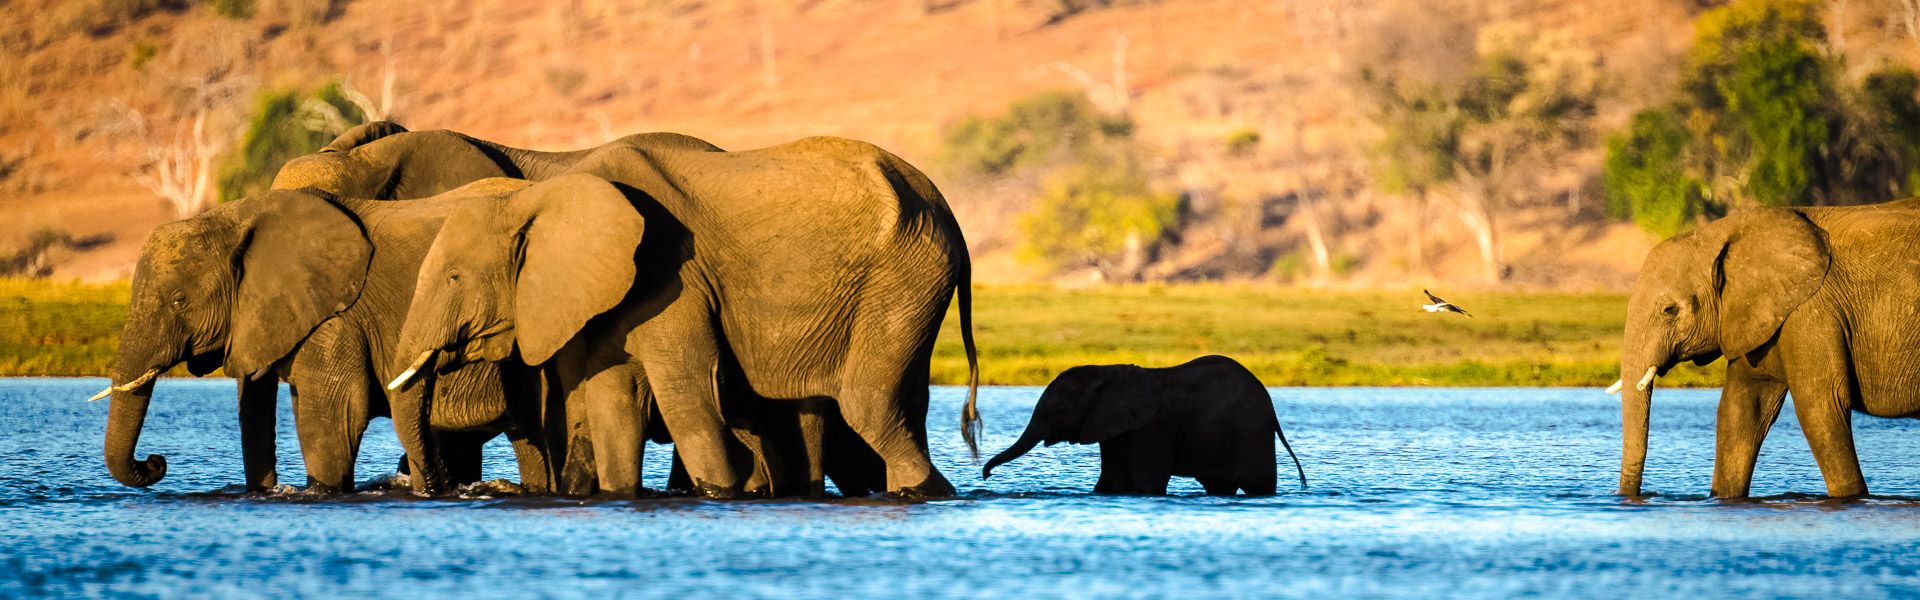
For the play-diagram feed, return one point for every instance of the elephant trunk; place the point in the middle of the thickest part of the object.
(1028, 439)
(1641, 361)
(1635, 404)
(148, 347)
(126, 416)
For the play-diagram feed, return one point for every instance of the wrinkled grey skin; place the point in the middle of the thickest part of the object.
(295, 286)
(384, 160)
(815, 270)
(1209, 419)
(1816, 301)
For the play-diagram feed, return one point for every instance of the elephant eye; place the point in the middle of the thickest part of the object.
(179, 302)
(1671, 310)
(455, 278)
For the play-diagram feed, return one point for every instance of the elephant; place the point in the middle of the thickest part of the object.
(813, 271)
(1814, 301)
(306, 287)
(1210, 419)
(385, 160)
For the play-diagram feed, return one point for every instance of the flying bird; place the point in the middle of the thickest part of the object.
(1439, 305)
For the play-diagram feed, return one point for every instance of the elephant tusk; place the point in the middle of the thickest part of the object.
(1615, 388)
(1646, 380)
(128, 386)
(412, 370)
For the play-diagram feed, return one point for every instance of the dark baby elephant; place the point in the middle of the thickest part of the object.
(1209, 419)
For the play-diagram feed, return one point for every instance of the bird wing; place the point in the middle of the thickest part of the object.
(1433, 298)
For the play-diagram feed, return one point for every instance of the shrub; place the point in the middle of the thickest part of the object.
(1045, 129)
(1645, 174)
(285, 123)
(1106, 218)
(1242, 141)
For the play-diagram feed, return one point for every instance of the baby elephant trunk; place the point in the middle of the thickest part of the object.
(1028, 440)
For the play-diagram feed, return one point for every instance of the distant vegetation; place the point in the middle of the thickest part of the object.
(285, 123)
(1766, 116)
(1029, 334)
(1096, 206)
(1292, 336)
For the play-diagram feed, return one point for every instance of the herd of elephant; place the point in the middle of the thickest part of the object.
(772, 313)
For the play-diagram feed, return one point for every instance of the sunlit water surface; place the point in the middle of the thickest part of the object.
(1414, 492)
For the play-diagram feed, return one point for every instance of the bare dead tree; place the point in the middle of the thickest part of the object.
(1112, 96)
(178, 169)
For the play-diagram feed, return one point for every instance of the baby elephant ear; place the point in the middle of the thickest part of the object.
(1122, 402)
(577, 260)
(361, 134)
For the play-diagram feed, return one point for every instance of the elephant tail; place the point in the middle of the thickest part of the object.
(1296, 459)
(970, 416)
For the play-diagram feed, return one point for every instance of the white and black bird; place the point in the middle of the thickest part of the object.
(1438, 305)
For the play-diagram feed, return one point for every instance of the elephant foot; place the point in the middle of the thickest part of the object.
(493, 488)
(935, 487)
(315, 486)
(715, 492)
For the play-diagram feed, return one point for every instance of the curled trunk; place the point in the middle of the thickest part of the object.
(125, 417)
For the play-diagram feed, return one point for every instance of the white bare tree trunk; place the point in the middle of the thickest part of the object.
(181, 171)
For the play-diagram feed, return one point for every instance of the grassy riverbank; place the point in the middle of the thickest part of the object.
(1028, 334)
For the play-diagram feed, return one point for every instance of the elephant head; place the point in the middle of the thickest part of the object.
(1724, 289)
(527, 271)
(239, 286)
(384, 160)
(1084, 405)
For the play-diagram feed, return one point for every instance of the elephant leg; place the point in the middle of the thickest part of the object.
(1749, 405)
(884, 400)
(565, 426)
(332, 403)
(677, 478)
(1256, 470)
(616, 420)
(1821, 381)
(877, 418)
(1152, 461)
(531, 458)
(813, 432)
(1116, 476)
(259, 411)
(524, 388)
(684, 377)
(464, 457)
(856, 470)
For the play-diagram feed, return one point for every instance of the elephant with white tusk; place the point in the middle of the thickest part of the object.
(1816, 301)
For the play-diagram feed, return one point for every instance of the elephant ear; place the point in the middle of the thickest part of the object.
(1773, 261)
(1123, 401)
(361, 134)
(303, 260)
(579, 235)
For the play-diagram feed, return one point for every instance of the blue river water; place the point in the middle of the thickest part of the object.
(1415, 492)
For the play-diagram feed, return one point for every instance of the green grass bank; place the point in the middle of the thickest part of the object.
(1288, 336)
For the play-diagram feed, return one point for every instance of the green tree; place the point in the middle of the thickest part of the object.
(1755, 87)
(1764, 118)
(1646, 177)
(1043, 130)
(1107, 218)
(285, 123)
